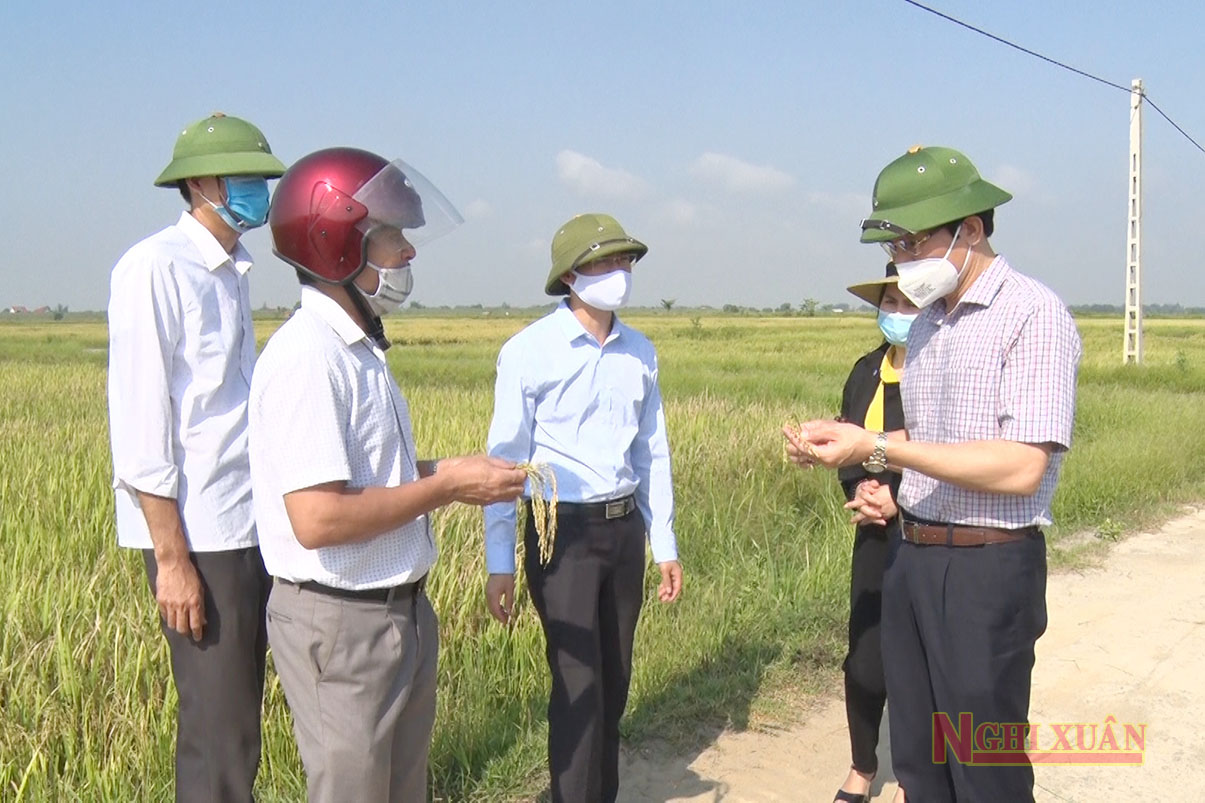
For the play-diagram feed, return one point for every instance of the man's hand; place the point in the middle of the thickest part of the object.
(832, 444)
(872, 503)
(798, 450)
(482, 480)
(500, 596)
(180, 596)
(671, 580)
(178, 589)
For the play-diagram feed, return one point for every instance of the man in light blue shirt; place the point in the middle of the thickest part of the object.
(577, 390)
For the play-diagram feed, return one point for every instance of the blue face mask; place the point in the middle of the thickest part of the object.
(246, 204)
(895, 326)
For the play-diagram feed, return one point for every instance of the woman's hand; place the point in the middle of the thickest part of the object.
(872, 503)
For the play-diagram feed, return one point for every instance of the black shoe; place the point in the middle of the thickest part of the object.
(850, 797)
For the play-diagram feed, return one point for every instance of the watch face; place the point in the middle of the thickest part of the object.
(873, 468)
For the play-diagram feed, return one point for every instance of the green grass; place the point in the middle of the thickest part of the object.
(86, 706)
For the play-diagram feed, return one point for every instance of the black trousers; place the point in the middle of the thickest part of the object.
(959, 628)
(588, 599)
(220, 679)
(865, 688)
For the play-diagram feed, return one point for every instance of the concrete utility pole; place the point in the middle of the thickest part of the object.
(1132, 346)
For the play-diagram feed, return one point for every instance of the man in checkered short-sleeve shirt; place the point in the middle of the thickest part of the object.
(989, 404)
(341, 499)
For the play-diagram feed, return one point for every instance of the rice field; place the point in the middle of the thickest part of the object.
(86, 703)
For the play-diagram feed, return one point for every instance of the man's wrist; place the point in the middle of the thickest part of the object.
(876, 459)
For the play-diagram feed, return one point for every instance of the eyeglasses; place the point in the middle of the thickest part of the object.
(612, 262)
(910, 244)
(907, 242)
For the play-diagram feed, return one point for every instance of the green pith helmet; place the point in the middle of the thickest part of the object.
(925, 188)
(220, 146)
(584, 239)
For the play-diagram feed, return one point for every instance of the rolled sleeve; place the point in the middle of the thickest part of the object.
(1038, 382)
(651, 464)
(144, 329)
(509, 439)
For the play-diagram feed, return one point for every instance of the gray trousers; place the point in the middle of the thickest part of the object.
(359, 677)
(220, 679)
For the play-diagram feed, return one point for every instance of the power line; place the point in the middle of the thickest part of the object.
(1173, 122)
(1056, 63)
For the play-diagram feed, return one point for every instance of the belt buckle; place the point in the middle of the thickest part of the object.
(616, 509)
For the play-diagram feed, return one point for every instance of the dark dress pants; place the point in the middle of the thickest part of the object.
(588, 599)
(959, 628)
(220, 679)
(865, 688)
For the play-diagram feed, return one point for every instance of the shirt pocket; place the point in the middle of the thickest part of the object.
(621, 401)
(214, 323)
(971, 401)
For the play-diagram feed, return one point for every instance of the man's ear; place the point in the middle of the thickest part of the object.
(568, 278)
(973, 227)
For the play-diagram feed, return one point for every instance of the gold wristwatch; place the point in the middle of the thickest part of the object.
(877, 462)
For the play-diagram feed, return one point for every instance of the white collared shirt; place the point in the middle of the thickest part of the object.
(325, 408)
(593, 414)
(181, 351)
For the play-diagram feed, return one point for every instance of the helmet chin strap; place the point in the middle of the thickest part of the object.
(376, 329)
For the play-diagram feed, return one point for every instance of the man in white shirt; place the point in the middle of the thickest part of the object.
(181, 349)
(577, 390)
(341, 499)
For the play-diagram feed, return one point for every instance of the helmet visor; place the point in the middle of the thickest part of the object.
(402, 197)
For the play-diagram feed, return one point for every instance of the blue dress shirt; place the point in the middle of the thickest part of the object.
(593, 414)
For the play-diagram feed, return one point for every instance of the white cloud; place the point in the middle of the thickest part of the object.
(478, 209)
(588, 176)
(847, 204)
(1014, 180)
(679, 212)
(738, 175)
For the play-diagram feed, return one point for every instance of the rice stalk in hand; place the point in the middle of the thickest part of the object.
(543, 506)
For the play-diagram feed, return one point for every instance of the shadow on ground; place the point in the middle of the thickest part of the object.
(716, 694)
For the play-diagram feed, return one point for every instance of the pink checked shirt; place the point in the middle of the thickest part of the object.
(1001, 365)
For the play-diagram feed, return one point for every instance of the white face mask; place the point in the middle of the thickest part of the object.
(924, 281)
(393, 288)
(607, 291)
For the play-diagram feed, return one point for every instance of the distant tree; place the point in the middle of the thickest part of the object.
(59, 312)
(416, 305)
(668, 303)
(731, 308)
(808, 307)
(784, 307)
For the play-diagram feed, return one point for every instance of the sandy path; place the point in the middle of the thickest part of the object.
(1125, 639)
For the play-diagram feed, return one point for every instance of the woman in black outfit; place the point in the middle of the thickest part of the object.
(871, 399)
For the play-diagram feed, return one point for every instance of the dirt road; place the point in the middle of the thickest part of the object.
(1125, 639)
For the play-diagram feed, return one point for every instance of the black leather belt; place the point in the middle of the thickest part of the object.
(403, 591)
(613, 509)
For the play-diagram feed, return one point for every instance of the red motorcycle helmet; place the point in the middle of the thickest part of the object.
(327, 203)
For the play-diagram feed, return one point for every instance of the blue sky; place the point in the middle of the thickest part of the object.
(739, 140)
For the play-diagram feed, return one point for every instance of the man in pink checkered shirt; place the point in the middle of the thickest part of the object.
(989, 404)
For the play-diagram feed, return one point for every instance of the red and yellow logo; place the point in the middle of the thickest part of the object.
(1011, 744)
